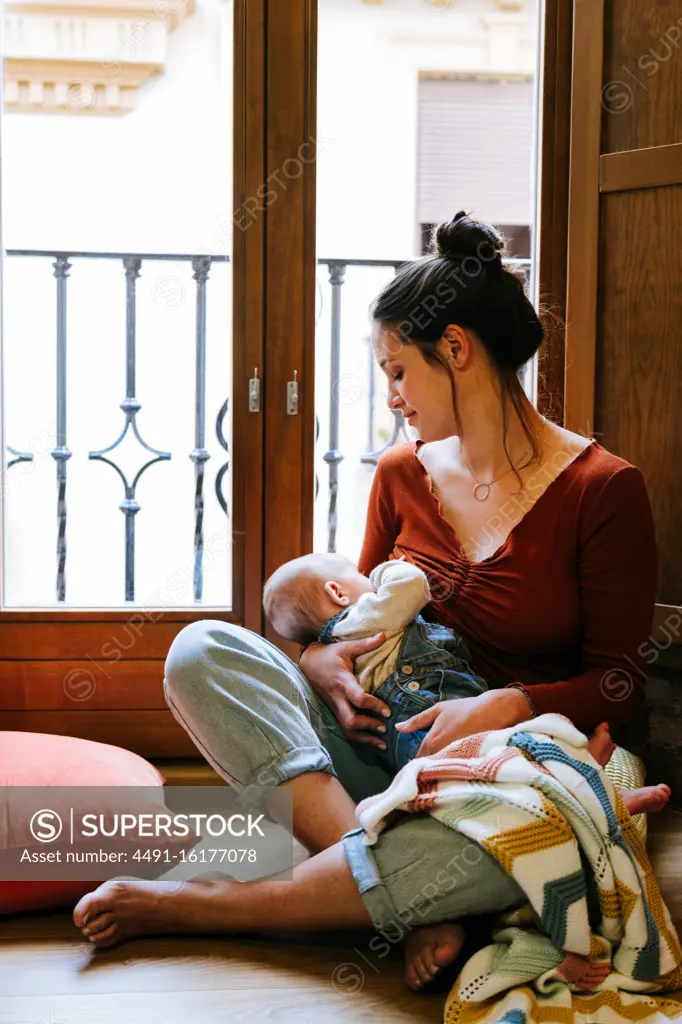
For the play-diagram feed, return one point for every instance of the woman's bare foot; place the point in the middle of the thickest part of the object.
(646, 800)
(430, 948)
(600, 745)
(117, 911)
(320, 895)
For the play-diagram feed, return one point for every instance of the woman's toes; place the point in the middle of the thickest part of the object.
(426, 960)
(426, 969)
(98, 924)
(83, 911)
(418, 975)
(109, 937)
(445, 953)
(428, 949)
(412, 978)
(91, 905)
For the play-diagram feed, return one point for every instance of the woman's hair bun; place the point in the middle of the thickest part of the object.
(462, 236)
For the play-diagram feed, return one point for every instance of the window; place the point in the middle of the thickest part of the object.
(117, 375)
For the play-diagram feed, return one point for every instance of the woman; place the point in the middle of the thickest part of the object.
(539, 547)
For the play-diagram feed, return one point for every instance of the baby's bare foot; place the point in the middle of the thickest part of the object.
(600, 745)
(428, 949)
(646, 800)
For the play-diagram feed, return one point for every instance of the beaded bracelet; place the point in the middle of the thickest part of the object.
(524, 691)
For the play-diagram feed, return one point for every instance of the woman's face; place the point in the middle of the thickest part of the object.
(420, 390)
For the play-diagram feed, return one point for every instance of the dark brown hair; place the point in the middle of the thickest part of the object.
(463, 281)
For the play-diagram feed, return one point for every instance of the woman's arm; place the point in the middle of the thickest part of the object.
(329, 670)
(617, 574)
(451, 720)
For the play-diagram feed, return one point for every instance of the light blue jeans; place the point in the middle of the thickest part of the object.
(253, 715)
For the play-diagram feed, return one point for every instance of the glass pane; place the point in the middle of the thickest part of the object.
(117, 352)
(426, 107)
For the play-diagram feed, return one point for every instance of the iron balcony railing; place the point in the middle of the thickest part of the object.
(131, 265)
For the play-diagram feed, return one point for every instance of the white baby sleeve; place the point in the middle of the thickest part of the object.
(402, 590)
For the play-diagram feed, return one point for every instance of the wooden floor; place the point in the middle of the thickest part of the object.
(49, 976)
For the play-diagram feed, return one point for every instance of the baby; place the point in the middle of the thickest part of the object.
(324, 597)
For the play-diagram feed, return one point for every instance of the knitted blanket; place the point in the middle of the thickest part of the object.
(595, 941)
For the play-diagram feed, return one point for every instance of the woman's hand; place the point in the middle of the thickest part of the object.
(329, 669)
(450, 720)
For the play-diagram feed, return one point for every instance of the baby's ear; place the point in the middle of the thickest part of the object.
(334, 591)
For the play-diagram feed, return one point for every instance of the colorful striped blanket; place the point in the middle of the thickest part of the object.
(595, 941)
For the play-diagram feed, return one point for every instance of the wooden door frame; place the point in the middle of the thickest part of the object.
(582, 278)
(551, 255)
(249, 295)
(290, 255)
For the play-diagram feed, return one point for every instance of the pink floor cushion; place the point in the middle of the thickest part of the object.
(38, 759)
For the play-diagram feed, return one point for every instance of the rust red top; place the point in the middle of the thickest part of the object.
(564, 603)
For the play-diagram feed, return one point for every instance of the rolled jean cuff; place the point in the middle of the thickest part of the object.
(386, 916)
(295, 762)
(421, 871)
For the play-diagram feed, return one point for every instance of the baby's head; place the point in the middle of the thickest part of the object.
(302, 594)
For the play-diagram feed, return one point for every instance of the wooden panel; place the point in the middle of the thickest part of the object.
(148, 733)
(290, 304)
(639, 365)
(642, 75)
(583, 217)
(641, 168)
(553, 211)
(77, 685)
(309, 295)
(151, 615)
(138, 639)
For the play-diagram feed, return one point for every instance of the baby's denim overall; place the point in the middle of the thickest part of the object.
(433, 665)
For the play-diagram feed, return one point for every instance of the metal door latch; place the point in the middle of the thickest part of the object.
(292, 396)
(254, 392)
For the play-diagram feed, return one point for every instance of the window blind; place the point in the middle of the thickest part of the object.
(475, 149)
